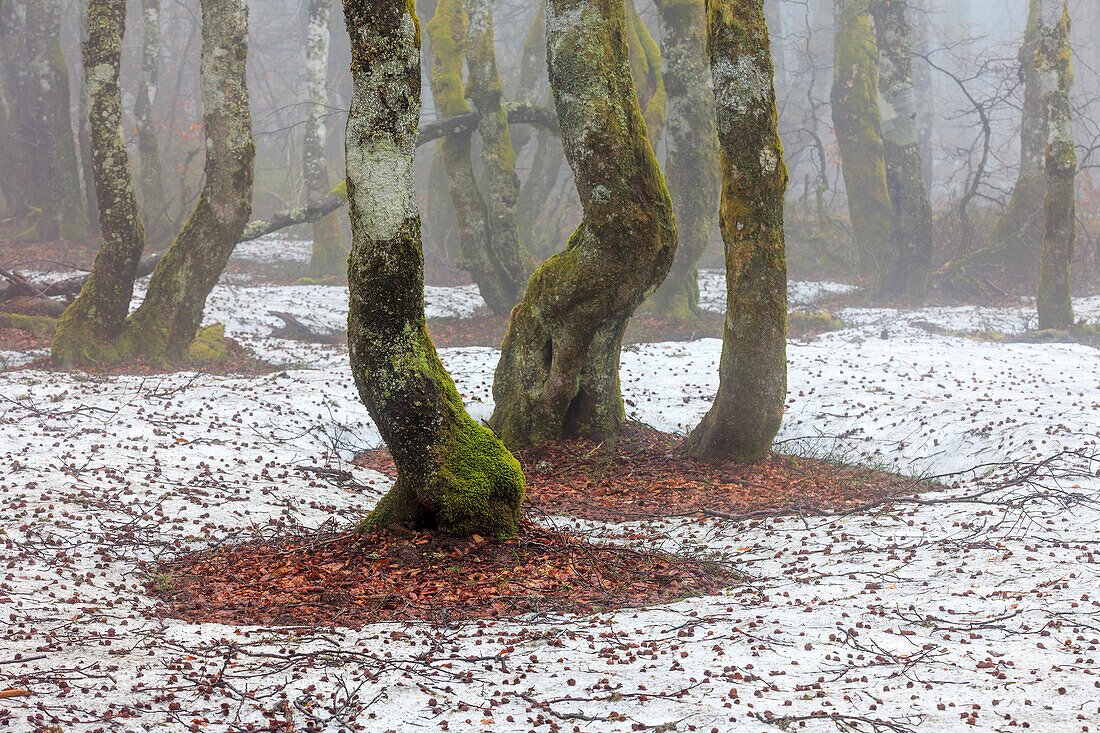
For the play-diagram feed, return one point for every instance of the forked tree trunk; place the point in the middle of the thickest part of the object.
(499, 274)
(164, 326)
(911, 223)
(691, 144)
(153, 202)
(453, 474)
(748, 408)
(329, 256)
(97, 315)
(1055, 79)
(559, 368)
(859, 132)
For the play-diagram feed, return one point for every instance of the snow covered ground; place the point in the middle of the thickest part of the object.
(959, 614)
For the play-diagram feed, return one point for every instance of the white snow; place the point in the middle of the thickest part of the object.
(959, 615)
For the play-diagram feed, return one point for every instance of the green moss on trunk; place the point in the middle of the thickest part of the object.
(645, 67)
(559, 367)
(453, 474)
(748, 408)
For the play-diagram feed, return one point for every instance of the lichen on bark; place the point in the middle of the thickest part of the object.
(858, 129)
(454, 475)
(1053, 63)
(559, 368)
(691, 150)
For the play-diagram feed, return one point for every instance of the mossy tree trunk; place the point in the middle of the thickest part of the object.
(499, 278)
(559, 368)
(858, 129)
(30, 33)
(153, 201)
(329, 257)
(454, 475)
(498, 157)
(748, 408)
(691, 144)
(98, 313)
(1053, 62)
(911, 223)
(645, 66)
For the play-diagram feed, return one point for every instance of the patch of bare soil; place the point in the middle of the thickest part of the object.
(353, 579)
(646, 474)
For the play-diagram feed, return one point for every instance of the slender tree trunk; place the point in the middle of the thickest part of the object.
(645, 66)
(859, 132)
(96, 317)
(532, 69)
(453, 474)
(84, 137)
(1055, 80)
(559, 367)
(748, 408)
(30, 31)
(911, 225)
(924, 90)
(691, 162)
(498, 157)
(165, 324)
(153, 201)
(495, 278)
(329, 257)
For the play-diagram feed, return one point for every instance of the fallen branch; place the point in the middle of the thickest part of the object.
(295, 330)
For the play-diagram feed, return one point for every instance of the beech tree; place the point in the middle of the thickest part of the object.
(691, 158)
(559, 368)
(153, 200)
(163, 328)
(454, 475)
(1055, 71)
(748, 408)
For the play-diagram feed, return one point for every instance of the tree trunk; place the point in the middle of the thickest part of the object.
(645, 66)
(495, 277)
(773, 15)
(498, 157)
(454, 475)
(84, 138)
(30, 32)
(748, 408)
(924, 90)
(153, 201)
(329, 257)
(1055, 79)
(691, 161)
(859, 132)
(911, 223)
(559, 368)
(96, 317)
(532, 70)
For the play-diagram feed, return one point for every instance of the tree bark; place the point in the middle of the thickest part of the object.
(645, 66)
(748, 408)
(97, 315)
(329, 256)
(1055, 80)
(911, 223)
(532, 70)
(691, 157)
(454, 475)
(858, 128)
(559, 368)
(153, 201)
(84, 138)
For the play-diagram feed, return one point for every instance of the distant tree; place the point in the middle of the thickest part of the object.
(1055, 80)
(748, 408)
(153, 200)
(559, 368)
(454, 475)
(165, 325)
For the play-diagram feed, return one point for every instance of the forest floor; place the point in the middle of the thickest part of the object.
(972, 603)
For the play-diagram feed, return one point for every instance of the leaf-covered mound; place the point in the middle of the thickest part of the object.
(351, 579)
(646, 474)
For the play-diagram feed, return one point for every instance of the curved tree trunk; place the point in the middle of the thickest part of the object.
(497, 154)
(1055, 79)
(691, 161)
(559, 367)
(153, 201)
(329, 257)
(499, 280)
(748, 409)
(97, 315)
(859, 132)
(453, 474)
(645, 65)
(911, 223)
